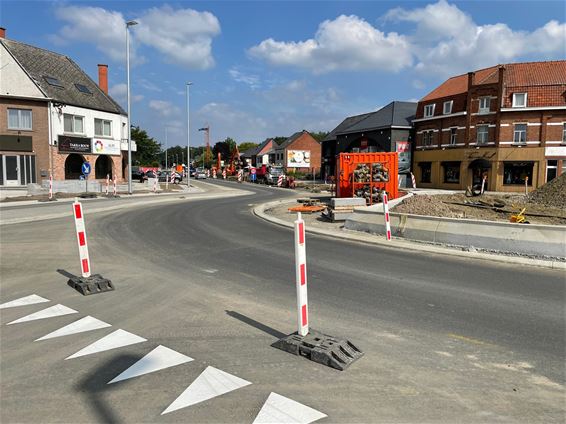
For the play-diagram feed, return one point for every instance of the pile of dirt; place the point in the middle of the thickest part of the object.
(552, 193)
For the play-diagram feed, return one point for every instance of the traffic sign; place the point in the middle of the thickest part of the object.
(253, 171)
(85, 168)
(253, 175)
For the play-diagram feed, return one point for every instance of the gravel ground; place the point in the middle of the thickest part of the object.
(551, 194)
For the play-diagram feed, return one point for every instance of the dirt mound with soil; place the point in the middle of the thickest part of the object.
(552, 193)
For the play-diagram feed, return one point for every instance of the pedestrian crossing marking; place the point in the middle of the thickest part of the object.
(87, 323)
(32, 299)
(53, 311)
(279, 409)
(118, 338)
(159, 358)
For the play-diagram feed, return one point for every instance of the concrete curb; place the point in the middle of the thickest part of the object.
(157, 201)
(399, 244)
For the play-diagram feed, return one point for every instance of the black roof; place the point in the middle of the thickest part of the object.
(395, 114)
(60, 78)
(346, 123)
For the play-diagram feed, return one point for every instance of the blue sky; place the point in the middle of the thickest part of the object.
(270, 68)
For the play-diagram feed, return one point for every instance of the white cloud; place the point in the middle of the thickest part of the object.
(345, 43)
(183, 36)
(164, 108)
(119, 93)
(253, 81)
(447, 41)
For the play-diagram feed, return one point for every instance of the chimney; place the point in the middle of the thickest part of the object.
(103, 77)
(471, 77)
(2, 32)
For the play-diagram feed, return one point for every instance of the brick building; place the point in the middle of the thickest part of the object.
(300, 152)
(506, 123)
(54, 117)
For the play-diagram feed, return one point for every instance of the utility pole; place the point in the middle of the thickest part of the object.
(188, 139)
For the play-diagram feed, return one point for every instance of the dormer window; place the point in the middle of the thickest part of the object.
(519, 99)
(448, 107)
(53, 81)
(429, 110)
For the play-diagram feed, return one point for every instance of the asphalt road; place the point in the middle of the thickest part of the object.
(445, 339)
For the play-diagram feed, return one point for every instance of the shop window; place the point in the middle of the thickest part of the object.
(551, 169)
(520, 134)
(426, 172)
(517, 172)
(484, 104)
(19, 119)
(482, 134)
(453, 135)
(429, 110)
(451, 172)
(73, 124)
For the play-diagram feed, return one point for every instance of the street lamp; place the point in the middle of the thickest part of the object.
(188, 139)
(128, 25)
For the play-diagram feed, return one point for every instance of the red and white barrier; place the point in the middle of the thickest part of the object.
(214, 173)
(386, 215)
(413, 180)
(208, 173)
(301, 277)
(107, 184)
(114, 189)
(224, 174)
(172, 178)
(81, 239)
(240, 175)
(50, 187)
(484, 179)
(280, 180)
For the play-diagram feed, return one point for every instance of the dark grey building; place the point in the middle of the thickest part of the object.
(387, 130)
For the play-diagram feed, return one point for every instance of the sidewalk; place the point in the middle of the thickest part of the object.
(276, 212)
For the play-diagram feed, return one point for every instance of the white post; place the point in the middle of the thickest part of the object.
(114, 190)
(107, 184)
(188, 139)
(128, 25)
(166, 166)
(81, 239)
(386, 216)
(526, 185)
(50, 187)
(483, 183)
(301, 277)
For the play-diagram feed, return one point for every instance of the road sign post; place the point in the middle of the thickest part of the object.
(85, 169)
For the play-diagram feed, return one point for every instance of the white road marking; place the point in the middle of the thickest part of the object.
(210, 271)
(159, 358)
(53, 311)
(87, 323)
(279, 409)
(211, 383)
(118, 338)
(22, 301)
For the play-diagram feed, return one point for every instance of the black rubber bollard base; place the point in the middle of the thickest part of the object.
(321, 348)
(91, 285)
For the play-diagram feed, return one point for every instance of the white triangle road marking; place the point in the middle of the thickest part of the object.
(52, 311)
(279, 409)
(210, 383)
(22, 301)
(159, 358)
(87, 323)
(118, 338)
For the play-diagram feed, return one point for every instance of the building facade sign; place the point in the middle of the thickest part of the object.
(403, 149)
(298, 158)
(555, 151)
(105, 147)
(74, 144)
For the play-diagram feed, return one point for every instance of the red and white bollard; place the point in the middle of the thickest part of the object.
(224, 174)
(484, 179)
(240, 175)
(81, 239)
(208, 173)
(386, 216)
(280, 180)
(301, 277)
(213, 172)
(172, 178)
(413, 180)
(114, 189)
(155, 185)
(51, 187)
(107, 184)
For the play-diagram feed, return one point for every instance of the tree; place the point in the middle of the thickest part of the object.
(225, 148)
(246, 146)
(148, 150)
(279, 140)
(319, 136)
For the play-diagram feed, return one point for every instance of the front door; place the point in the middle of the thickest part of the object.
(11, 170)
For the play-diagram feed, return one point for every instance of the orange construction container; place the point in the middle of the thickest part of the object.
(366, 175)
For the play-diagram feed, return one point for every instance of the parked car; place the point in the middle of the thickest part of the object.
(138, 174)
(200, 173)
(193, 172)
(166, 176)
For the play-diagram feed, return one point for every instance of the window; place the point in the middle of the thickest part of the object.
(83, 88)
(102, 128)
(429, 110)
(426, 172)
(517, 172)
(73, 124)
(484, 104)
(19, 119)
(453, 135)
(520, 134)
(451, 172)
(551, 169)
(53, 81)
(564, 134)
(519, 99)
(427, 138)
(482, 134)
(448, 107)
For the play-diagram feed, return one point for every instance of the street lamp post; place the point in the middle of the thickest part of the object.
(166, 164)
(128, 25)
(188, 139)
